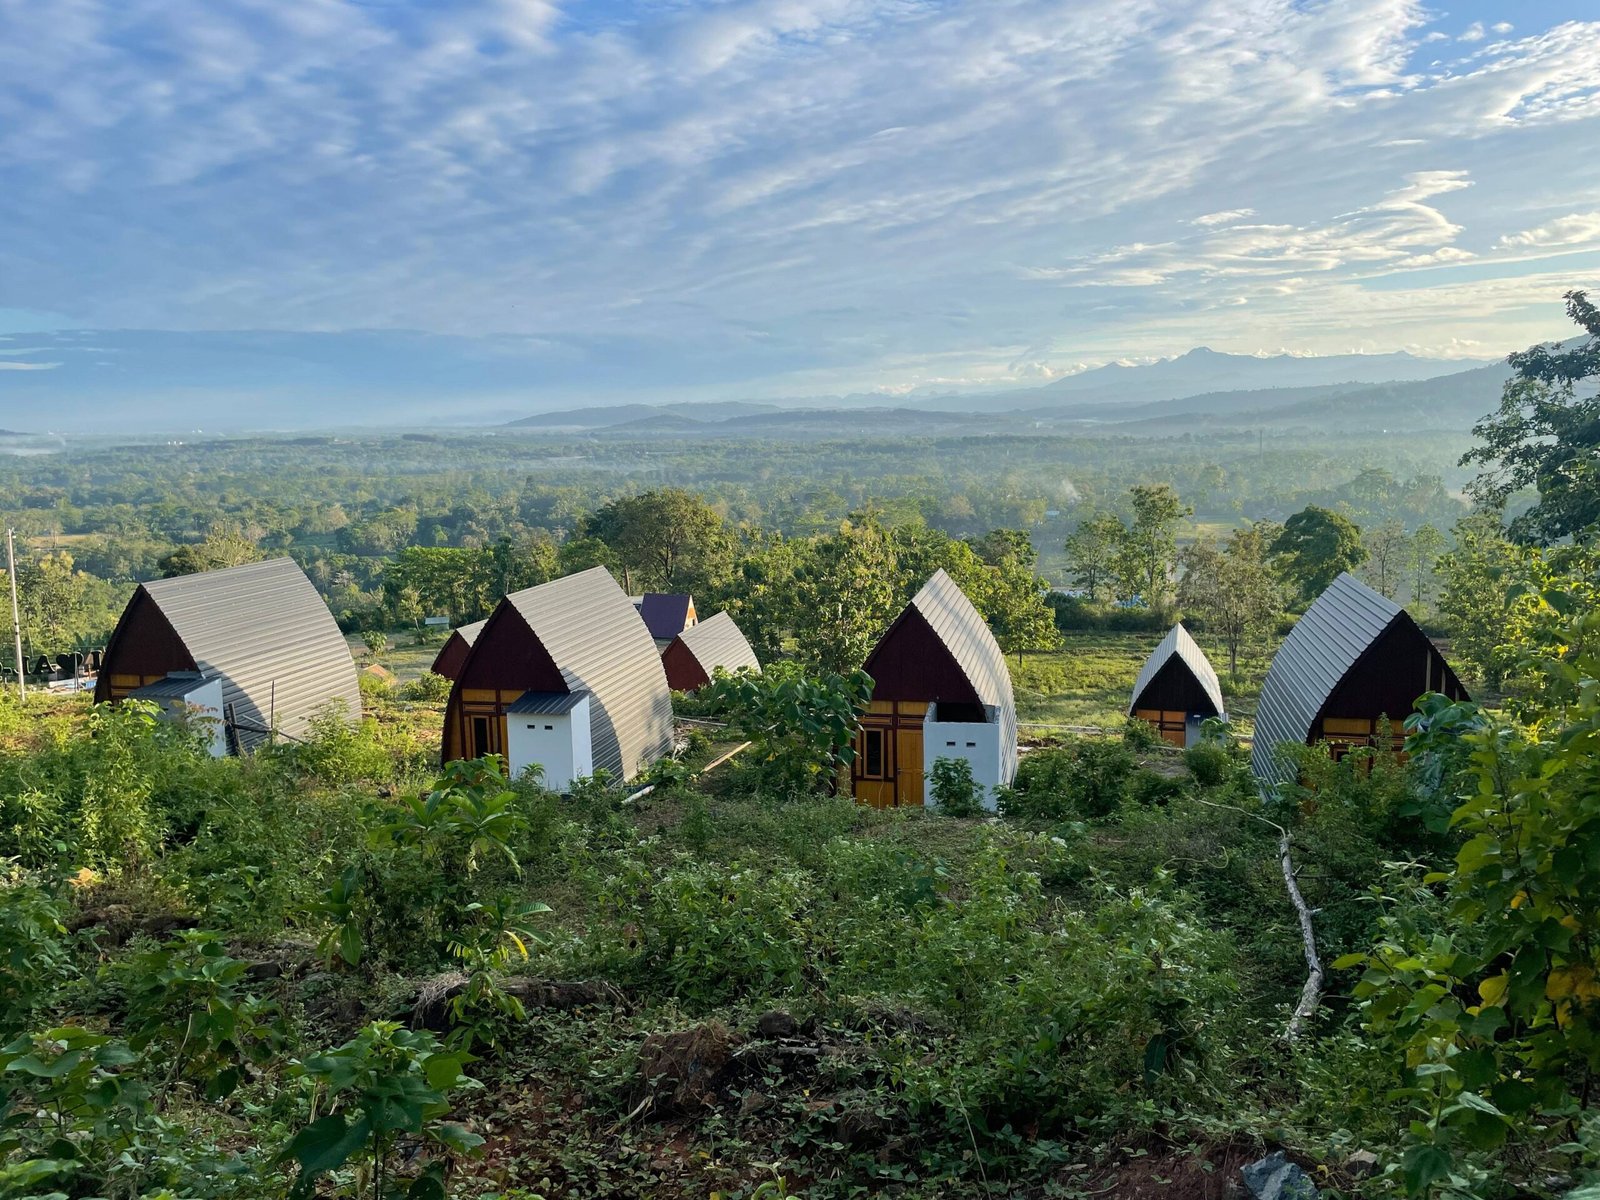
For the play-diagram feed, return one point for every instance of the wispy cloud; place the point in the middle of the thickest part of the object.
(1578, 229)
(760, 194)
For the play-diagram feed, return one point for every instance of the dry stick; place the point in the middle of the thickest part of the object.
(1311, 994)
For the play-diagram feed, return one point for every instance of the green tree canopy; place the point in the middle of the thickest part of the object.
(1546, 435)
(1315, 547)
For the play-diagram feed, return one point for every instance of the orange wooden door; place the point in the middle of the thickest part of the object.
(908, 766)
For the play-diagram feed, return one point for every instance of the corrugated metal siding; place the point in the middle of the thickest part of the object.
(718, 642)
(599, 642)
(469, 633)
(971, 643)
(1322, 646)
(264, 629)
(1179, 643)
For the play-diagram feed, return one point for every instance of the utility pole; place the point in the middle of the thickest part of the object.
(16, 614)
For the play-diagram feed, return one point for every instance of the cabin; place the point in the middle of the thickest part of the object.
(940, 690)
(666, 614)
(253, 649)
(1354, 661)
(566, 676)
(1177, 689)
(454, 651)
(697, 653)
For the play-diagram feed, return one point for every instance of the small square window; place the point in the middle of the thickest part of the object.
(549, 726)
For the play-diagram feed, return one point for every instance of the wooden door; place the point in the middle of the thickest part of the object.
(908, 765)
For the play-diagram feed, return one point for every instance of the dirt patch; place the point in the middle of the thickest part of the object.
(684, 1070)
(1168, 1173)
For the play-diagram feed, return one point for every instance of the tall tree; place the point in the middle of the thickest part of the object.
(1546, 435)
(1475, 575)
(1092, 554)
(1315, 547)
(1388, 557)
(666, 540)
(1148, 555)
(845, 595)
(1232, 588)
(1427, 544)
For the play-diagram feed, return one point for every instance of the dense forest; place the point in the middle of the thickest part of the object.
(337, 969)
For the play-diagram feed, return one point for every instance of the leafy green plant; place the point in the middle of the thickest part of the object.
(34, 959)
(804, 726)
(1495, 1010)
(1085, 779)
(385, 1082)
(192, 1016)
(954, 790)
(495, 933)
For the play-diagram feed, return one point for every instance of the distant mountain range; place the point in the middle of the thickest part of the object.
(1453, 401)
(140, 381)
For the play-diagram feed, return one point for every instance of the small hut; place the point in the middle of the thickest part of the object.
(695, 655)
(1354, 661)
(454, 651)
(666, 614)
(566, 676)
(1177, 689)
(253, 647)
(940, 690)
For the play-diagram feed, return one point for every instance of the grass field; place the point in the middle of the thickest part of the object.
(1090, 680)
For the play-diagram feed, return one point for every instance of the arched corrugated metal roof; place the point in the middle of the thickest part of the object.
(267, 632)
(1179, 644)
(967, 636)
(1323, 645)
(598, 641)
(719, 642)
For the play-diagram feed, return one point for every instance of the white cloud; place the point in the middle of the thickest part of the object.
(755, 192)
(1472, 33)
(28, 366)
(1502, 27)
(1577, 229)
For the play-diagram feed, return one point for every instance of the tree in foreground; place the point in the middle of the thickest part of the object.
(1490, 1005)
(1545, 436)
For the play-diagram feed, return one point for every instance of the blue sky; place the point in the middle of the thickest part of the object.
(791, 197)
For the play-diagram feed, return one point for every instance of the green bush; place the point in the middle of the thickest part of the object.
(1086, 780)
(955, 792)
(427, 687)
(1209, 762)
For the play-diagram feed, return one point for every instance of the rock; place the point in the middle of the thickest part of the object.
(1276, 1178)
(776, 1024)
(1361, 1164)
(264, 970)
(753, 1103)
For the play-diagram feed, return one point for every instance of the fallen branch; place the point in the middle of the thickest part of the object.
(1311, 994)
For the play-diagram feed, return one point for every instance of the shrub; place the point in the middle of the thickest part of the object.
(954, 790)
(1151, 789)
(339, 752)
(427, 687)
(1139, 734)
(1209, 762)
(1085, 780)
(33, 951)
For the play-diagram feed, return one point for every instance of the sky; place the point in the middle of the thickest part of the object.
(793, 197)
